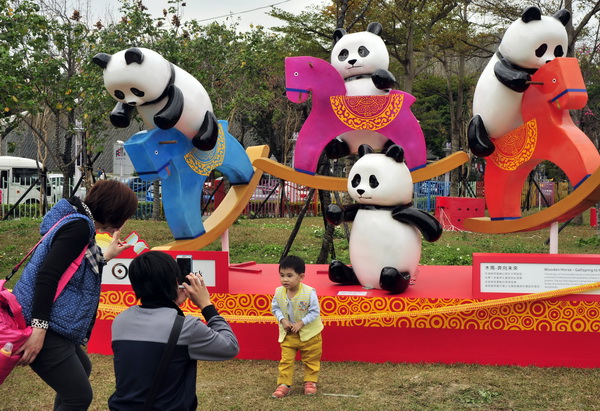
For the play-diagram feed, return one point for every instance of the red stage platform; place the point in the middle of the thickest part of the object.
(558, 332)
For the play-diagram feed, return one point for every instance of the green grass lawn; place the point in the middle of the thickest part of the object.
(247, 384)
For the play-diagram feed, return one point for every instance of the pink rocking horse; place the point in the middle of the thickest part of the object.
(373, 120)
(548, 133)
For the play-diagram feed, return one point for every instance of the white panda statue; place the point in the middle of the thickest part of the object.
(362, 59)
(164, 95)
(385, 245)
(528, 44)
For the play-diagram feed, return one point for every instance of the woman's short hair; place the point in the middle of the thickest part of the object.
(154, 275)
(111, 202)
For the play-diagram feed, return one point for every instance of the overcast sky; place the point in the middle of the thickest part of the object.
(248, 11)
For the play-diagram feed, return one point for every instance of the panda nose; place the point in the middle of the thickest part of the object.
(352, 62)
(131, 103)
(360, 191)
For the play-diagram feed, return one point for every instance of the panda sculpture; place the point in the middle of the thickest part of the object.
(385, 245)
(362, 59)
(528, 44)
(164, 95)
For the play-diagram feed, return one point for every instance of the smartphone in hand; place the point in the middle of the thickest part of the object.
(185, 267)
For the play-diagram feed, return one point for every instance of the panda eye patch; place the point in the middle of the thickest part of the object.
(558, 51)
(373, 181)
(343, 55)
(541, 50)
(356, 180)
(119, 94)
(137, 92)
(363, 51)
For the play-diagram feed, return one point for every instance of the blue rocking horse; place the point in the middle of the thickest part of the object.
(170, 156)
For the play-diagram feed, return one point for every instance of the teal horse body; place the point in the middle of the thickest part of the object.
(169, 155)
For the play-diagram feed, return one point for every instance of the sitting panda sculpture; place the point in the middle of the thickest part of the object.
(528, 44)
(385, 245)
(362, 59)
(164, 95)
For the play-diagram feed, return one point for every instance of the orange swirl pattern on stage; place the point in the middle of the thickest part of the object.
(515, 147)
(367, 112)
(547, 315)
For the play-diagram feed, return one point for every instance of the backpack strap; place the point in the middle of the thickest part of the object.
(16, 267)
(164, 361)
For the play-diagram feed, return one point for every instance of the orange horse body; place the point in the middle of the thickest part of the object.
(548, 133)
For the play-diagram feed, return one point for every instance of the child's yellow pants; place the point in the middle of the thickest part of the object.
(310, 354)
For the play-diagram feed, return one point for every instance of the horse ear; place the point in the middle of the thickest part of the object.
(375, 28)
(101, 59)
(364, 149)
(338, 34)
(531, 13)
(396, 152)
(563, 16)
(134, 55)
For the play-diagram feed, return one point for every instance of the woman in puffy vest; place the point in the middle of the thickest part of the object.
(62, 325)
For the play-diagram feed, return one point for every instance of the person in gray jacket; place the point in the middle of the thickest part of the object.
(140, 334)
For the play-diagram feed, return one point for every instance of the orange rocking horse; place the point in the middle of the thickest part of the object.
(548, 133)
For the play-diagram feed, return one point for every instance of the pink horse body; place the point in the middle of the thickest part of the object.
(358, 119)
(548, 133)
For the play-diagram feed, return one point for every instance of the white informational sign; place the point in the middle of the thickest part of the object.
(502, 277)
(122, 165)
(116, 271)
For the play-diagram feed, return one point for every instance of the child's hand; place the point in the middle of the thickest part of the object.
(286, 324)
(297, 326)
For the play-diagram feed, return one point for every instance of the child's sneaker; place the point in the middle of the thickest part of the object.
(310, 388)
(281, 391)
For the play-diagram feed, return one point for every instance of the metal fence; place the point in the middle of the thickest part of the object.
(272, 197)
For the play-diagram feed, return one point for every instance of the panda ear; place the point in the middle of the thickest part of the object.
(563, 16)
(531, 13)
(396, 152)
(101, 59)
(375, 28)
(134, 55)
(338, 34)
(364, 149)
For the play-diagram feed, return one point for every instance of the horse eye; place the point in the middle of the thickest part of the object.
(119, 94)
(541, 50)
(296, 74)
(373, 181)
(554, 80)
(363, 51)
(343, 55)
(156, 152)
(137, 92)
(558, 51)
(356, 180)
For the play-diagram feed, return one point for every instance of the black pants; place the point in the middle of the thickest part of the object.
(66, 368)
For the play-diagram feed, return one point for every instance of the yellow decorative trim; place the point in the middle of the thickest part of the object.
(203, 162)
(367, 112)
(515, 147)
(519, 313)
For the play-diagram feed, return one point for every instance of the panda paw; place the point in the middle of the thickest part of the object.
(479, 141)
(207, 136)
(383, 79)
(342, 274)
(334, 214)
(394, 281)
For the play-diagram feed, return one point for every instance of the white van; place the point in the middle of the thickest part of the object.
(16, 176)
